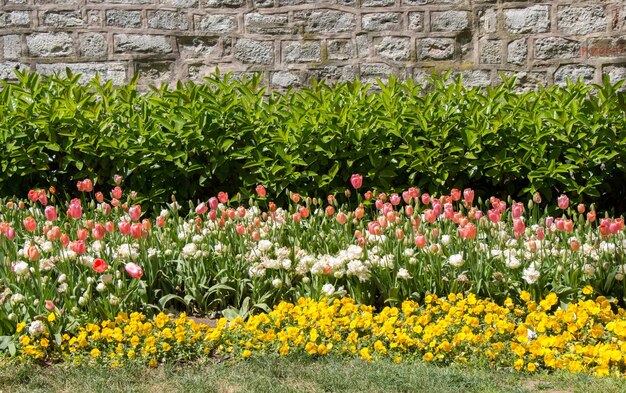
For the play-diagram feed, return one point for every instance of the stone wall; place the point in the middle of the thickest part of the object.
(293, 41)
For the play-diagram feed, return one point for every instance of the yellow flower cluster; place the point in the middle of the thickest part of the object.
(128, 338)
(588, 336)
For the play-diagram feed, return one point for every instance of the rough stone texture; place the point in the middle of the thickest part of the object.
(50, 44)
(250, 51)
(449, 20)
(382, 21)
(217, 24)
(141, 43)
(326, 21)
(581, 20)
(167, 20)
(491, 51)
(394, 48)
(517, 52)
(616, 74)
(301, 51)
(63, 19)
(556, 48)
(535, 19)
(7, 69)
(123, 18)
(93, 45)
(573, 72)
(115, 72)
(292, 42)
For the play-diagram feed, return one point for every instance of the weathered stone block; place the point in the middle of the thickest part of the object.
(340, 49)
(95, 18)
(487, 21)
(167, 20)
(393, 48)
(142, 43)
(381, 21)
(49, 44)
(63, 19)
(363, 44)
(254, 52)
(517, 52)
(222, 3)
(574, 72)
(377, 3)
(192, 47)
(301, 51)
(121, 1)
(113, 71)
(425, 2)
(180, 3)
(93, 45)
(154, 73)
(330, 74)
(12, 46)
(449, 20)
(473, 78)
(435, 49)
(268, 24)
(14, 18)
(416, 21)
(123, 18)
(606, 47)
(535, 19)
(217, 24)
(263, 3)
(581, 20)
(490, 51)
(7, 69)
(285, 79)
(556, 48)
(525, 81)
(326, 21)
(616, 73)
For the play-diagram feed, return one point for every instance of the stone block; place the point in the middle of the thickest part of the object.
(93, 45)
(525, 81)
(301, 51)
(194, 47)
(416, 21)
(340, 49)
(490, 51)
(487, 21)
(180, 3)
(12, 46)
(121, 1)
(285, 79)
(219, 24)
(167, 20)
(605, 47)
(449, 20)
(393, 48)
(381, 21)
(142, 43)
(123, 18)
(574, 72)
(268, 24)
(616, 73)
(50, 44)
(113, 71)
(473, 78)
(14, 18)
(377, 3)
(326, 21)
(331, 74)
(581, 20)
(534, 19)
(517, 52)
(7, 69)
(556, 48)
(429, 2)
(222, 3)
(154, 72)
(250, 51)
(363, 44)
(435, 49)
(63, 19)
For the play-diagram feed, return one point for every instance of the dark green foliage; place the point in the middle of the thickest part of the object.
(227, 135)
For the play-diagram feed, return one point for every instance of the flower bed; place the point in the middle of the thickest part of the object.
(69, 264)
(587, 336)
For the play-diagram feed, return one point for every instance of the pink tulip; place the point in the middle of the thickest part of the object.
(406, 197)
(356, 180)
(30, 224)
(260, 191)
(222, 196)
(408, 210)
(75, 210)
(124, 227)
(87, 185)
(562, 201)
(117, 179)
(134, 270)
(494, 215)
(51, 213)
(98, 232)
(50, 305)
(117, 192)
(425, 199)
(541, 234)
(430, 215)
(374, 228)
(420, 241)
(455, 194)
(395, 199)
(518, 225)
(82, 234)
(468, 196)
(341, 218)
(517, 209)
(201, 208)
(136, 230)
(78, 246)
(213, 203)
(135, 212)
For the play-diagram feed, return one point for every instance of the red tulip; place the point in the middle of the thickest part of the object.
(356, 180)
(99, 265)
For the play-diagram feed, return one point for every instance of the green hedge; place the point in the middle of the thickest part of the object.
(224, 134)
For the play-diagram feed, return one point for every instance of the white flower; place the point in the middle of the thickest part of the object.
(62, 288)
(264, 245)
(589, 270)
(277, 283)
(189, 250)
(100, 287)
(282, 253)
(328, 289)
(36, 328)
(114, 300)
(512, 262)
(445, 240)
(531, 275)
(409, 252)
(17, 298)
(21, 268)
(456, 260)
(62, 278)
(403, 274)
(106, 278)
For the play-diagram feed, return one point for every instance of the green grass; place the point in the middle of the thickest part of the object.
(297, 374)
